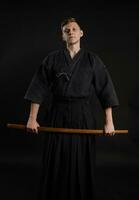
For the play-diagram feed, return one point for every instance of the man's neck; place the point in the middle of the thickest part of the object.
(73, 49)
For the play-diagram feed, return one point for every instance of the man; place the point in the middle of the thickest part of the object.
(73, 75)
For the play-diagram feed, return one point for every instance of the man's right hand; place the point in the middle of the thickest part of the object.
(32, 126)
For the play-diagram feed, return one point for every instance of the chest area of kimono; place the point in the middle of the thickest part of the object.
(80, 69)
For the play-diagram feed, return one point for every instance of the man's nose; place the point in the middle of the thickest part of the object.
(70, 32)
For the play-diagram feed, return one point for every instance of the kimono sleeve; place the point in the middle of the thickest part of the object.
(103, 84)
(40, 83)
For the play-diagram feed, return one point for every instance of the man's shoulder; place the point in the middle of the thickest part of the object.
(91, 53)
(50, 55)
(94, 58)
(54, 52)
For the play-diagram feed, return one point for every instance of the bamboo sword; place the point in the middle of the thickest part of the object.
(65, 130)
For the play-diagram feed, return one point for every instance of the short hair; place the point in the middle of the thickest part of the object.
(68, 20)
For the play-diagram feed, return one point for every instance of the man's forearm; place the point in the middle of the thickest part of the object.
(108, 115)
(108, 122)
(34, 108)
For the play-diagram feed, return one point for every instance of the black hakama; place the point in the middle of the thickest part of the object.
(69, 159)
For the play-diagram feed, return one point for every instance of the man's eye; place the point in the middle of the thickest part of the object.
(66, 31)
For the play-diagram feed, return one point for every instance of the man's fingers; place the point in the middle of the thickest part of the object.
(112, 134)
(32, 130)
(29, 130)
(109, 133)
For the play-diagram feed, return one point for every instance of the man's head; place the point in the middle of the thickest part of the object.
(71, 31)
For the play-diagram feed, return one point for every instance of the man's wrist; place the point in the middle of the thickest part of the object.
(108, 120)
(31, 117)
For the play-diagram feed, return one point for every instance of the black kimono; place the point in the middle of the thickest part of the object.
(69, 159)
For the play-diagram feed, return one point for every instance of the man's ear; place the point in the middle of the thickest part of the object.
(82, 33)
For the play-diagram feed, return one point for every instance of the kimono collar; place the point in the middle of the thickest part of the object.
(71, 64)
(73, 60)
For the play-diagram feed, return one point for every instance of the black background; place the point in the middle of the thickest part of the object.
(28, 32)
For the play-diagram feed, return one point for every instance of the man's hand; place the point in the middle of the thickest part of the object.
(108, 122)
(109, 129)
(32, 126)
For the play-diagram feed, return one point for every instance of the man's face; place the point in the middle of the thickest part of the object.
(71, 33)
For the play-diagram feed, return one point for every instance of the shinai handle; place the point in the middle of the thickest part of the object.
(66, 130)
